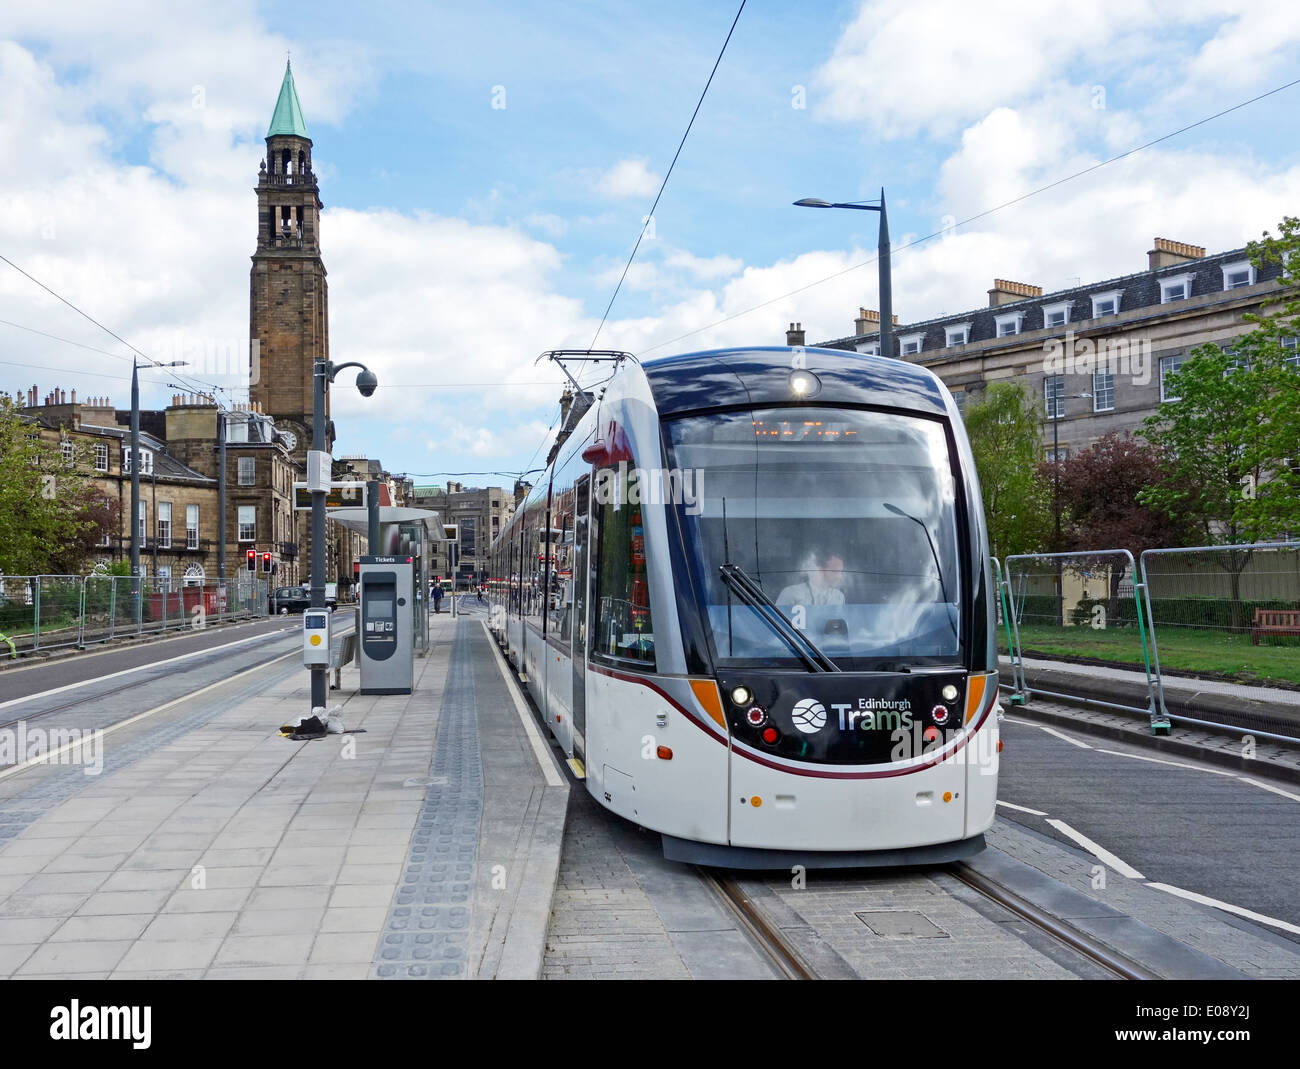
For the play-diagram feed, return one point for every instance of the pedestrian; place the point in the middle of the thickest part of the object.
(437, 597)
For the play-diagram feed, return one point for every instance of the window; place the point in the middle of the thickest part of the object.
(1009, 324)
(1237, 275)
(248, 523)
(146, 461)
(247, 471)
(1106, 304)
(1169, 365)
(959, 398)
(142, 528)
(1061, 454)
(1054, 396)
(910, 344)
(1103, 391)
(65, 448)
(191, 526)
(101, 456)
(105, 535)
(624, 631)
(870, 348)
(1056, 315)
(1175, 288)
(958, 335)
(1235, 362)
(1292, 347)
(164, 524)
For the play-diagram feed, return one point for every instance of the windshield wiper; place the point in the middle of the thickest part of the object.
(739, 581)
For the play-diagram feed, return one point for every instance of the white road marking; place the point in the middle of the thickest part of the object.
(549, 771)
(128, 671)
(49, 757)
(1099, 852)
(1052, 731)
(1021, 808)
(1172, 764)
(1270, 787)
(1227, 907)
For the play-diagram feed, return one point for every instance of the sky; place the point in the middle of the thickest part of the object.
(486, 170)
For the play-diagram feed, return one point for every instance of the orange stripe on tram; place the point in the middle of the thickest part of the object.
(975, 685)
(706, 693)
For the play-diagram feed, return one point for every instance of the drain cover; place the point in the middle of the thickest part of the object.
(901, 924)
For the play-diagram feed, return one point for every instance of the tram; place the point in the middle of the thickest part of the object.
(751, 599)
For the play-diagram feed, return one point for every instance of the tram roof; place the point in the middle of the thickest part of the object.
(722, 377)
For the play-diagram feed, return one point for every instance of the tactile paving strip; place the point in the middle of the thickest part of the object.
(427, 931)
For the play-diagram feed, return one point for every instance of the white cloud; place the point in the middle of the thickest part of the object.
(628, 178)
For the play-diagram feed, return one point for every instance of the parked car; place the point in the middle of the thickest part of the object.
(287, 599)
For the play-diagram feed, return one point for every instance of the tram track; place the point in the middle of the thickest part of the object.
(789, 963)
(1062, 931)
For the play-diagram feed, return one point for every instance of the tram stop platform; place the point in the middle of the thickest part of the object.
(423, 843)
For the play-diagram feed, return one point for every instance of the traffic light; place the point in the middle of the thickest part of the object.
(266, 562)
(251, 557)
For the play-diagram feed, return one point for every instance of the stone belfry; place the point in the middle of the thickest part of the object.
(289, 307)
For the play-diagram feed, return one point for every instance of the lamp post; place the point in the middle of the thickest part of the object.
(882, 262)
(323, 372)
(1056, 493)
(135, 480)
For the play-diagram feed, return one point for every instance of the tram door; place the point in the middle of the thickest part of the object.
(581, 553)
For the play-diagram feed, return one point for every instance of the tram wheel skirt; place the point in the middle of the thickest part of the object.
(749, 857)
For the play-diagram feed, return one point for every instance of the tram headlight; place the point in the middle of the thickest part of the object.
(804, 383)
(949, 693)
(741, 695)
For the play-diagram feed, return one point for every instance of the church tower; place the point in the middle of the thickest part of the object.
(289, 309)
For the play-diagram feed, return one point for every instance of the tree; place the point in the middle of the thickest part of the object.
(1004, 438)
(1232, 437)
(43, 498)
(1101, 487)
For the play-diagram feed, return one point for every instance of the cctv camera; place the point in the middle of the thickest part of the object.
(367, 382)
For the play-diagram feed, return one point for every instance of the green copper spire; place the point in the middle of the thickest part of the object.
(288, 112)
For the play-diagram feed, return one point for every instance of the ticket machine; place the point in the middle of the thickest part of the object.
(386, 640)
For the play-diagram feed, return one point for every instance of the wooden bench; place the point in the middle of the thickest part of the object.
(1275, 622)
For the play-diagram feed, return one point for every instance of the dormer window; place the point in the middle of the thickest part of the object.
(1175, 288)
(1238, 275)
(146, 461)
(1056, 315)
(1106, 304)
(1009, 323)
(910, 344)
(869, 348)
(958, 334)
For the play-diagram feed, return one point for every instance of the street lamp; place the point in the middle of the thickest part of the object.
(882, 262)
(1057, 416)
(135, 468)
(323, 373)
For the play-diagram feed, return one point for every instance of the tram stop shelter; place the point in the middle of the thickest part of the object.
(403, 532)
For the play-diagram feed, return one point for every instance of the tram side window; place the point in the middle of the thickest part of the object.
(533, 568)
(623, 628)
(560, 596)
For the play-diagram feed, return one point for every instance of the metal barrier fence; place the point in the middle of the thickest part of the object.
(1229, 614)
(1084, 606)
(43, 612)
(1007, 640)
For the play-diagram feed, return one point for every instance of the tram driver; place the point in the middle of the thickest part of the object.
(823, 582)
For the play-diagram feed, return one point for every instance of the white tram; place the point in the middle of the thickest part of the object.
(751, 599)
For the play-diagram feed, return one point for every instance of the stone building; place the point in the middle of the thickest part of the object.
(478, 516)
(1096, 355)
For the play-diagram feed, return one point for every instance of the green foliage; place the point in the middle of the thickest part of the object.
(1004, 435)
(1232, 440)
(40, 533)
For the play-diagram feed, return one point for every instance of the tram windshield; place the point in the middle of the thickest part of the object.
(844, 520)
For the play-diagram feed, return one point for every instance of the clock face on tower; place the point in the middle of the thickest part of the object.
(289, 439)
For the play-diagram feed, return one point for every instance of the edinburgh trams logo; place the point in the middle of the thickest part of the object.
(809, 716)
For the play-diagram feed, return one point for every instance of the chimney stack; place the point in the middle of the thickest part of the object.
(1004, 292)
(795, 335)
(1166, 253)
